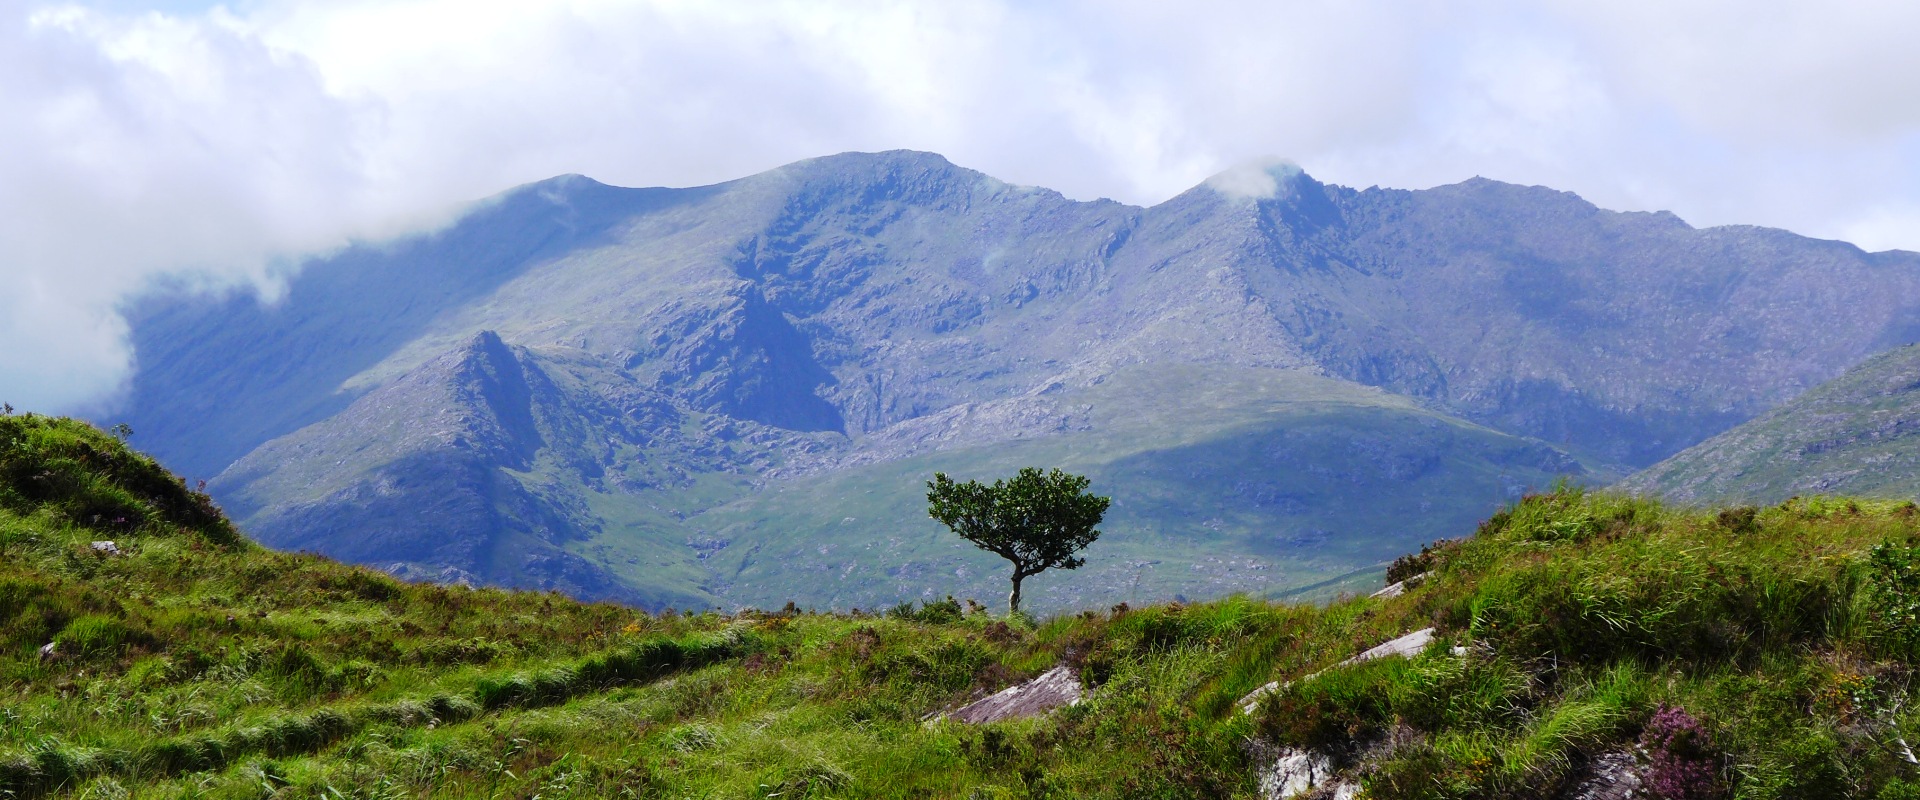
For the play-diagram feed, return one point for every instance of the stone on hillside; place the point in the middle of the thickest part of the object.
(1253, 698)
(1054, 688)
(1611, 776)
(49, 651)
(1408, 646)
(1297, 774)
(106, 548)
(445, 576)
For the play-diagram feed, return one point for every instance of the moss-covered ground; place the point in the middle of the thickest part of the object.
(1739, 653)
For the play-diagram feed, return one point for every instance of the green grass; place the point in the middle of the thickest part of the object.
(199, 665)
(1256, 481)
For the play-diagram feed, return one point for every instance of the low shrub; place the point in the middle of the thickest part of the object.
(1336, 712)
(1682, 762)
(938, 612)
(1743, 520)
(1413, 564)
(1895, 582)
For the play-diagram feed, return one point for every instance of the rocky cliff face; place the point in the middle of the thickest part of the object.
(662, 366)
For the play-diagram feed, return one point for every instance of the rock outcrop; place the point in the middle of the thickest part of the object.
(1406, 646)
(1054, 688)
(1610, 776)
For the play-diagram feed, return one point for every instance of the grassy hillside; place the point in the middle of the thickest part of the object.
(1857, 434)
(1260, 481)
(1750, 653)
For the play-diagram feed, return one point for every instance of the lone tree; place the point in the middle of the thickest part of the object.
(1037, 520)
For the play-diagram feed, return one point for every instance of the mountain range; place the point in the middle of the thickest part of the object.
(732, 394)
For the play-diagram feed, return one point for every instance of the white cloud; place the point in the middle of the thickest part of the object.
(1883, 227)
(228, 143)
(1254, 180)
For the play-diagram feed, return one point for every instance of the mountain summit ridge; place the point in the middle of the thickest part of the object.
(856, 318)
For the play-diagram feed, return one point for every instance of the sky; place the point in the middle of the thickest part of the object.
(219, 144)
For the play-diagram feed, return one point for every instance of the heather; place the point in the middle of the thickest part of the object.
(1743, 653)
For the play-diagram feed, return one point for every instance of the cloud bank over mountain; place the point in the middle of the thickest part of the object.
(224, 143)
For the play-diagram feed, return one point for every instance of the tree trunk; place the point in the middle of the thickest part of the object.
(1013, 600)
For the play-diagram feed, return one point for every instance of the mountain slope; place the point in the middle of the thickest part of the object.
(417, 477)
(1858, 434)
(696, 351)
(1574, 642)
(220, 374)
(1246, 485)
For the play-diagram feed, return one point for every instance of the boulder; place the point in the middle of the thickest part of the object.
(106, 548)
(1295, 774)
(1054, 688)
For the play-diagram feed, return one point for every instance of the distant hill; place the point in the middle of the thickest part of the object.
(1575, 645)
(1858, 434)
(732, 394)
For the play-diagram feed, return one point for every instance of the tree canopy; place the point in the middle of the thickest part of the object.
(1037, 520)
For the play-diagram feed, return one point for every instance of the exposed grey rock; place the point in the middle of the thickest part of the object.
(1251, 701)
(1398, 588)
(1052, 689)
(1406, 646)
(1292, 774)
(1610, 776)
(50, 651)
(106, 548)
(445, 576)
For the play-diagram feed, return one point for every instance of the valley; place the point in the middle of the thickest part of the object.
(731, 395)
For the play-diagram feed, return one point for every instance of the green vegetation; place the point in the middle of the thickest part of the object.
(1756, 653)
(1037, 520)
(1256, 481)
(1853, 435)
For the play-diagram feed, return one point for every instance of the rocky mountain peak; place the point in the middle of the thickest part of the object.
(706, 387)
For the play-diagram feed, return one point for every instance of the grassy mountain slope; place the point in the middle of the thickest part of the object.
(480, 465)
(1246, 486)
(1242, 487)
(1858, 434)
(664, 353)
(195, 664)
